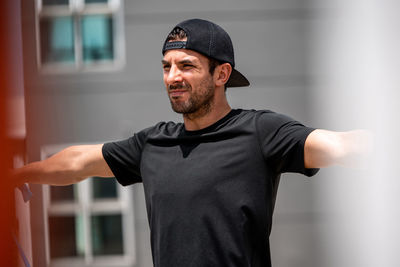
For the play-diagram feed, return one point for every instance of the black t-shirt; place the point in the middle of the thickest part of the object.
(210, 194)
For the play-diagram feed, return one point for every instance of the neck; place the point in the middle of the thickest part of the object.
(207, 116)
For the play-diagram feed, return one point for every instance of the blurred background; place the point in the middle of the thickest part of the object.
(89, 71)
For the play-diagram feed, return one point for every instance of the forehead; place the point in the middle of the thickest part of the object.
(184, 54)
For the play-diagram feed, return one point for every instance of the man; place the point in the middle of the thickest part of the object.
(210, 183)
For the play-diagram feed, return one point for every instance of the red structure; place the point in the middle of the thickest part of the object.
(8, 222)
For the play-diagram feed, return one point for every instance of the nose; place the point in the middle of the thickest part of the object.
(174, 75)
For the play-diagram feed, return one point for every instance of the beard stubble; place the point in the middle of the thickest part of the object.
(198, 104)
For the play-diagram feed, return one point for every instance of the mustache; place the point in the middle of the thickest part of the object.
(178, 86)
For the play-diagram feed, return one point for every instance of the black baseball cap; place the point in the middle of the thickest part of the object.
(211, 40)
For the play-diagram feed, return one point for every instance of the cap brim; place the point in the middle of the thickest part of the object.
(237, 80)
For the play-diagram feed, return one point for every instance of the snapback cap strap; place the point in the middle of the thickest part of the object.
(174, 45)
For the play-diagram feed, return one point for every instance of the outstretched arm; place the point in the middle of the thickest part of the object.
(68, 166)
(325, 148)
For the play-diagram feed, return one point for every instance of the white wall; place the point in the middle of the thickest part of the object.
(355, 65)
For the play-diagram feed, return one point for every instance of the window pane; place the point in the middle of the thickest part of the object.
(107, 234)
(57, 39)
(95, 1)
(104, 188)
(97, 38)
(55, 2)
(63, 231)
(63, 193)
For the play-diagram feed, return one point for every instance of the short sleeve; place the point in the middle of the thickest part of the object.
(282, 142)
(123, 157)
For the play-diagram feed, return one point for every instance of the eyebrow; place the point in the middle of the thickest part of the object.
(185, 61)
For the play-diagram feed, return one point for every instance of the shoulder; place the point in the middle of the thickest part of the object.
(272, 125)
(266, 117)
(162, 128)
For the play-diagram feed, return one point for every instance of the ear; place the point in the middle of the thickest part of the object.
(222, 73)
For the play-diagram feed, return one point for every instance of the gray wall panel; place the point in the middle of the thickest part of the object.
(181, 6)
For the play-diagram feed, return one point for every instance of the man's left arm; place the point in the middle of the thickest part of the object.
(325, 148)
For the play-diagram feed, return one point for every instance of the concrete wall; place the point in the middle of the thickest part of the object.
(271, 45)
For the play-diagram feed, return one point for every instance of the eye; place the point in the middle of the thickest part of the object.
(188, 66)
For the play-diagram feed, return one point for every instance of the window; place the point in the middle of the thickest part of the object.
(79, 35)
(89, 223)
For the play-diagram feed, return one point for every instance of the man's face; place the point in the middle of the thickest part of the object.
(188, 81)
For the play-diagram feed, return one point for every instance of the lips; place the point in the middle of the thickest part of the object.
(177, 92)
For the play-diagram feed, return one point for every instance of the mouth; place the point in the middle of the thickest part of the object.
(177, 93)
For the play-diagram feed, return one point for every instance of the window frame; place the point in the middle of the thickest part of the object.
(86, 206)
(77, 9)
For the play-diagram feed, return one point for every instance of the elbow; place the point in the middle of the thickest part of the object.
(337, 151)
(322, 149)
(76, 167)
(75, 172)
(72, 166)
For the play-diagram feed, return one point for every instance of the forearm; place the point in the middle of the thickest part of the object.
(325, 148)
(69, 166)
(41, 173)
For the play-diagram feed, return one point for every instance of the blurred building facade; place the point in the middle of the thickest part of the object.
(92, 73)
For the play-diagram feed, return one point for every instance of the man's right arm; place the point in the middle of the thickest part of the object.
(66, 167)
